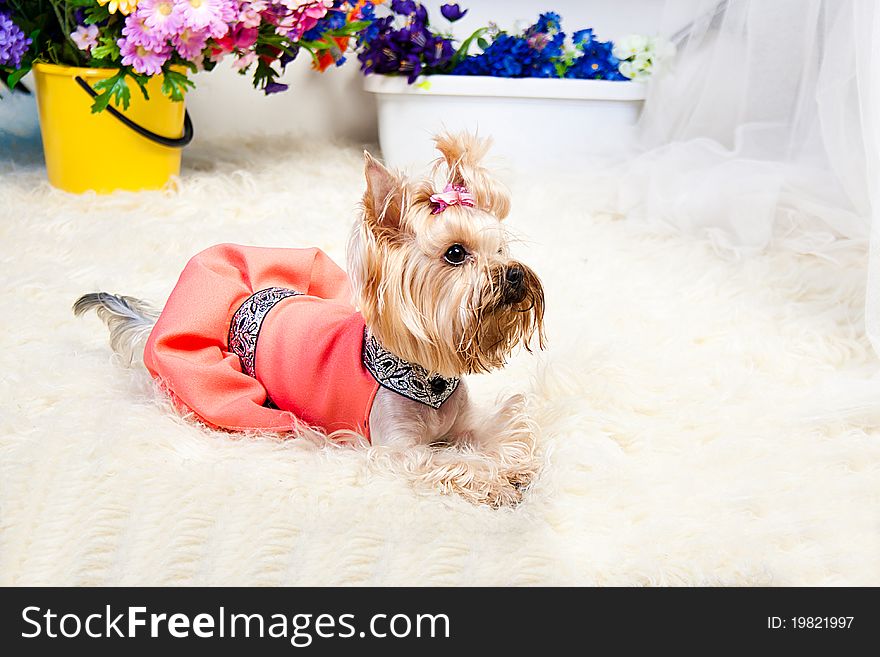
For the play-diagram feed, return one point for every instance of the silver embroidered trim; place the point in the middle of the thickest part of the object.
(392, 372)
(405, 378)
(247, 321)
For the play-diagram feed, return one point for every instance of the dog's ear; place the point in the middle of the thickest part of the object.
(383, 199)
(463, 155)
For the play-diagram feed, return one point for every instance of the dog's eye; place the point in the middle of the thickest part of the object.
(455, 255)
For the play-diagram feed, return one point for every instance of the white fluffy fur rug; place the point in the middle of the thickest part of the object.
(703, 420)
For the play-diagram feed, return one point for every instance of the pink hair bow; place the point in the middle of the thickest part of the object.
(452, 195)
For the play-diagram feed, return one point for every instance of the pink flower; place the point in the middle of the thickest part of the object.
(159, 16)
(212, 16)
(189, 44)
(85, 37)
(293, 18)
(249, 12)
(137, 32)
(241, 63)
(141, 58)
(245, 37)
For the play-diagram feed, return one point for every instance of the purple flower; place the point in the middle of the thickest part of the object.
(452, 12)
(416, 12)
(13, 42)
(404, 7)
(286, 57)
(275, 87)
(411, 50)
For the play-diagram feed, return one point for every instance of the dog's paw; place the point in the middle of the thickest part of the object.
(521, 480)
(506, 494)
(511, 486)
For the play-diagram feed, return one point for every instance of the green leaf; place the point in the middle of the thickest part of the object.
(108, 49)
(97, 14)
(347, 30)
(175, 85)
(16, 76)
(113, 88)
(316, 45)
(462, 52)
(482, 43)
(264, 74)
(142, 84)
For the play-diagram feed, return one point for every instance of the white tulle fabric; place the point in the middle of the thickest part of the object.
(765, 128)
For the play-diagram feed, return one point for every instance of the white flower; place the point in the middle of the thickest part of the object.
(629, 46)
(85, 37)
(642, 56)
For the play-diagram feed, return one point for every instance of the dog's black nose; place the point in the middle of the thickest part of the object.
(514, 290)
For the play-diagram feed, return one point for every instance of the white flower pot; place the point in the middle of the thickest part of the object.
(536, 123)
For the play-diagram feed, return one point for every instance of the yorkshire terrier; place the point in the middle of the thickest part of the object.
(278, 339)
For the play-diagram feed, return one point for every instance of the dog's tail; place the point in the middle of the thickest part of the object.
(130, 320)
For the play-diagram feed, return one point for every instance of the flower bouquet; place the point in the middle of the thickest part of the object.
(403, 42)
(140, 39)
(551, 99)
(133, 58)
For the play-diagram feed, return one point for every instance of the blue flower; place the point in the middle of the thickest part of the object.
(413, 49)
(534, 54)
(549, 22)
(452, 12)
(506, 57)
(582, 38)
(368, 13)
(546, 70)
(334, 19)
(596, 63)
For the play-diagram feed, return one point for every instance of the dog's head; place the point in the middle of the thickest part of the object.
(431, 271)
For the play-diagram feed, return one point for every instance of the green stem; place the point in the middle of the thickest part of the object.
(64, 21)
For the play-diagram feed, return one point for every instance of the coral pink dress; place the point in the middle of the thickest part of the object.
(259, 339)
(311, 336)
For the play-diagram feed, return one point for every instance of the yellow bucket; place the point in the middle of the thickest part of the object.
(134, 149)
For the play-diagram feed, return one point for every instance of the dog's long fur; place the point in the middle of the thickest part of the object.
(451, 318)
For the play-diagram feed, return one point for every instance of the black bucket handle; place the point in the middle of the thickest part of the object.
(171, 142)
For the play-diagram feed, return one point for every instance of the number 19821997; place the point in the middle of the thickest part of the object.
(810, 622)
